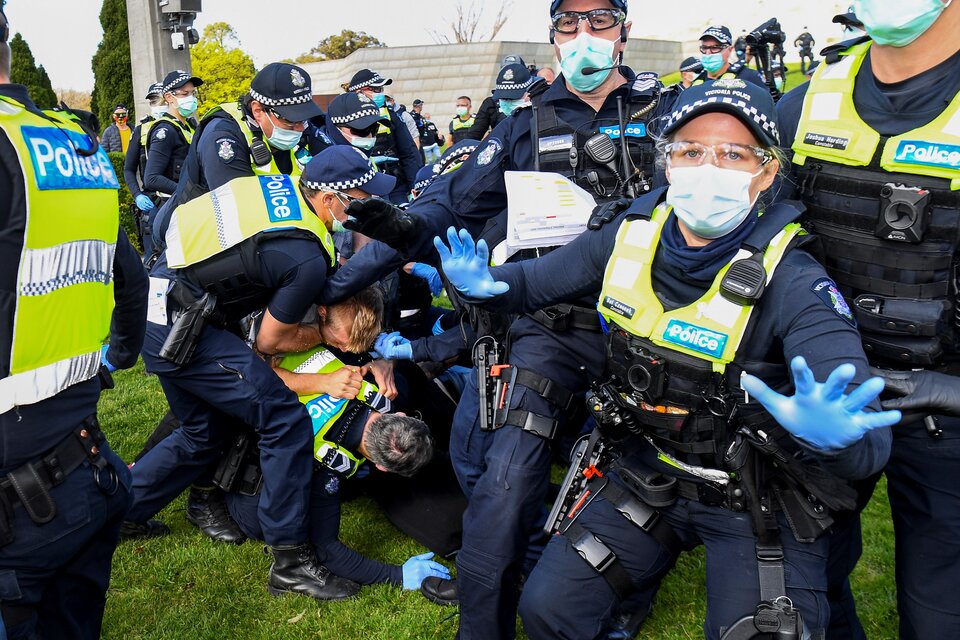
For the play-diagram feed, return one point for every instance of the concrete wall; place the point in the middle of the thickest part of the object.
(437, 74)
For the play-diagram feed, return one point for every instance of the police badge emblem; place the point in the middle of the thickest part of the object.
(508, 75)
(160, 134)
(225, 151)
(297, 78)
(486, 155)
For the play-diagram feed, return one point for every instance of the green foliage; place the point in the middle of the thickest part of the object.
(126, 200)
(212, 591)
(112, 77)
(339, 46)
(225, 69)
(24, 70)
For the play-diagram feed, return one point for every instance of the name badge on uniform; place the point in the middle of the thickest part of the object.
(57, 165)
(556, 143)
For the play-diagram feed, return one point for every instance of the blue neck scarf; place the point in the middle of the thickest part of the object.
(702, 263)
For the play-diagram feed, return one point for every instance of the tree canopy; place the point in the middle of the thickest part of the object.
(339, 46)
(218, 60)
(24, 70)
(112, 77)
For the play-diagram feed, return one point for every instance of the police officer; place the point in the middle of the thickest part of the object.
(689, 69)
(169, 137)
(514, 84)
(548, 351)
(351, 424)
(710, 467)
(804, 42)
(461, 124)
(134, 163)
(393, 138)
(352, 119)
(65, 287)
(881, 189)
(249, 244)
(716, 46)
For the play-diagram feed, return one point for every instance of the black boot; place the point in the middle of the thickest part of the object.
(442, 591)
(295, 570)
(207, 509)
(130, 530)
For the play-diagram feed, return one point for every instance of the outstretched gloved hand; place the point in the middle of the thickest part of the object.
(922, 391)
(431, 275)
(144, 203)
(820, 413)
(393, 346)
(417, 568)
(467, 265)
(378, 219)
(103, 359)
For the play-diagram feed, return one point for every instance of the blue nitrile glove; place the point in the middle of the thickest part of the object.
(417, 568)
(393, 346)
(821, 414)
(431, 275)
(144, 203)
(103, 359)
(467, 265)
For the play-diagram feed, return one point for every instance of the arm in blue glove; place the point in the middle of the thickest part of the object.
(417, 568)
(431, 275)
(393, 346)
(144, 203)
(821, 414)
(103, 359)
(467, 265)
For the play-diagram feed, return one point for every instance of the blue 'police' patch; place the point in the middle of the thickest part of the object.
(695, 338)
(827, 291)
(634, 130)
(322, 409)
(281, 198)
(487, 154)
(56, 164)
(928, 154)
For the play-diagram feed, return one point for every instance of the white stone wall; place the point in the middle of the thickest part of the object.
(437, 74)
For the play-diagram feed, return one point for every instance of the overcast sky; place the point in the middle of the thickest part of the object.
(64, 34)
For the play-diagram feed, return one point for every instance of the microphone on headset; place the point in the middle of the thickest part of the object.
(589, 71)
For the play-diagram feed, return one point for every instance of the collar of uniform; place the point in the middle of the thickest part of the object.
(19, 93)
(558, 90)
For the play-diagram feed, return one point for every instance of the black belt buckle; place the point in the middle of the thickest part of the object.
(637, 512)
(596, 553)
(711, 495)
(539, 425)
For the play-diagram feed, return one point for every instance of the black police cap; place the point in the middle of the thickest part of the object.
(286, 89)
(750, 103)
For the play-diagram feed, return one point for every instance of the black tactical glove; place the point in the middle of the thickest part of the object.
(921, 390)
(381, 220)
(604, 213)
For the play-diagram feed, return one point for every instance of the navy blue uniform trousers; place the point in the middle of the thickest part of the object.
(226, 384)
(505, 475)
(565, 597)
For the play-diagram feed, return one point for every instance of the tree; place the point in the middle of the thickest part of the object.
(225, 69)
(24, 70)
(339, 46)
(74, 98)
(465, 24)
(112, 77)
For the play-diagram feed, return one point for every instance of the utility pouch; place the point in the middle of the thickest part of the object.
(228, 471)
(808, 519)
(33, 493)
(900, 316)
(185, 333)
(902, 350)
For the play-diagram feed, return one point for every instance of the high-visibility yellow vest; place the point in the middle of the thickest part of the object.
(325, 410)
(148, 126)
(236, 211)
(66, 217)
(458, 124)
(710, 328)
(233, 109)
(830, 128)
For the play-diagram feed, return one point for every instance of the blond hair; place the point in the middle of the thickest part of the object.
(366, 308)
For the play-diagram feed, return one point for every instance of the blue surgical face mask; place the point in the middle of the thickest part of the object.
(283, 139)
(585, 51)
(509, 106)
(897, 23)
(158, 111)
(363, 143)
(778, 82)
(379, 99)
(712, 62)
(337, 226)
(187, 106)
(709, 200)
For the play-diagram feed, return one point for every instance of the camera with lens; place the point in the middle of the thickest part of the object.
(646, 374)
(767, 33)
(904, 213)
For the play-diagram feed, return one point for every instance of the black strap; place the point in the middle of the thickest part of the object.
(772, 222)
(770, 566)
(601, 557)
(554, 392)
(561, 317)
(642, 515)
(534, 423)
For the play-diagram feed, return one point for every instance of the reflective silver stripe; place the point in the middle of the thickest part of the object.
(314, 363)
(35, 385)
(43, 271)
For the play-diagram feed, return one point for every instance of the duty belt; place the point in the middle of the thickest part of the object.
(562, 317)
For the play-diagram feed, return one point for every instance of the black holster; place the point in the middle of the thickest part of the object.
(239, 469)
(185, 333)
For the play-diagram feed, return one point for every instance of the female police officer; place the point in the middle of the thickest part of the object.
(697, 289)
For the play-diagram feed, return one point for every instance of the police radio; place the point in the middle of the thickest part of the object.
(904, 213)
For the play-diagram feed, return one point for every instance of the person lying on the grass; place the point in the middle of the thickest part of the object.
(351, 423)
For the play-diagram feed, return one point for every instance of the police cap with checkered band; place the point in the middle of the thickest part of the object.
(342, 167)
(353, 110)
(286, 90)
(176, 79)
(512, 82)
(750, 103)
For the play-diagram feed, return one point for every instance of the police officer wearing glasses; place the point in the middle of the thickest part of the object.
(504, 465)
(701, 296)
(716, 49)
(878, 168)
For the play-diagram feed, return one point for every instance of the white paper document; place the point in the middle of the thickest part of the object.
(544, 210)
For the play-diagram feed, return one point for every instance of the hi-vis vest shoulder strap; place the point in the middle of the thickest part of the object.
(830, 128)
(236, 211)
(147, 127)
(458, 124)
(236, 113)
(325, 410)
(711, 328)
(69, 216)
(384, 119)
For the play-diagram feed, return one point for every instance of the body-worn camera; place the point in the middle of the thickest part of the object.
(647, 374)
(904, 213)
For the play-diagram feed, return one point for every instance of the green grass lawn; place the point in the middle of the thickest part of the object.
(185, 587)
